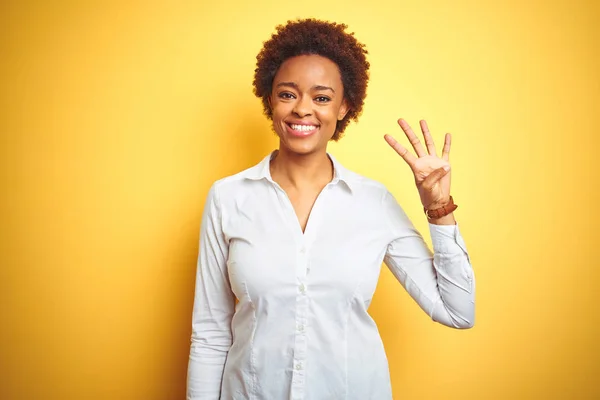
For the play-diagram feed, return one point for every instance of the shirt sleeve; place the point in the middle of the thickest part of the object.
(213, 309)
(442, 282)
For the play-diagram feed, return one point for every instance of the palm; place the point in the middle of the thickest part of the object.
(432, 193)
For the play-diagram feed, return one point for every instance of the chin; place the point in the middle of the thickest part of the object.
(300, 148)
(299, 145)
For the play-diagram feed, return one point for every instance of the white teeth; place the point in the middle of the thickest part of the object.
(304, 128)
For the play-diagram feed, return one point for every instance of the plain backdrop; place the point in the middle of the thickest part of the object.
(117, 116)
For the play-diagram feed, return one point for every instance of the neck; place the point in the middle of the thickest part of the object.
(301, 170)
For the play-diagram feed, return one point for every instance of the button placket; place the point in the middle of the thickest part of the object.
(300, 340)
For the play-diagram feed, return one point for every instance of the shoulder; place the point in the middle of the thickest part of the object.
(374, 195)
(238, 184)
(364, 186)
(230, 181)
(358, 183)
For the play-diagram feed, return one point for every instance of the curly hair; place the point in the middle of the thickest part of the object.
(326, 39)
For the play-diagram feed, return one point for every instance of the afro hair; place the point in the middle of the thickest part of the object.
(326, 39)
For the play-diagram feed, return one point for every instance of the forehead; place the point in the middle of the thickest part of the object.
(309, 70)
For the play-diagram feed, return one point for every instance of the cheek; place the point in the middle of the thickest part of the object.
(279, 110)
(328, 114)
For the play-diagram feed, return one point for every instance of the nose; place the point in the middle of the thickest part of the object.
(303, 106)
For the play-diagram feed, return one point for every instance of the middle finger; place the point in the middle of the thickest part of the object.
(412, 138)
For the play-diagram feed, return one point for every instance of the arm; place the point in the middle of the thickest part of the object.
(213, 308)
(442, 283)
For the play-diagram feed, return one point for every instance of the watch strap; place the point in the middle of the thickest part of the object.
(441, 212)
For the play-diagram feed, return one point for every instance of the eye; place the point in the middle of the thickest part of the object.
(322, 99)
(286, 95)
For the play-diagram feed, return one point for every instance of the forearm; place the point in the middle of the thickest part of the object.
(205, 372)
(455, 305)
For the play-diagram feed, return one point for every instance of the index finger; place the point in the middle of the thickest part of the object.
(412, 138)
(401, 150)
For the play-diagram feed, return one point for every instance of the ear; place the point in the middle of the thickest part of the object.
(343, 110)
(269, 101)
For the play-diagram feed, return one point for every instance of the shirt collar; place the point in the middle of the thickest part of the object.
(262, 171)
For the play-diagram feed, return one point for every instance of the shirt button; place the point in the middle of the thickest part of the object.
(303, 250)
(300, 328)
(298, 366)
(302, 288)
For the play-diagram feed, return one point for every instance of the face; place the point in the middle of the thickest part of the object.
(307, 100)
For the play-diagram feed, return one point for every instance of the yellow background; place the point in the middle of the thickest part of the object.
(116, 117)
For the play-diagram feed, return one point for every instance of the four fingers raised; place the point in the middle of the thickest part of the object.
(416, 143)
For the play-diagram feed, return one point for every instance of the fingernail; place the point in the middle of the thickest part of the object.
(446, 168)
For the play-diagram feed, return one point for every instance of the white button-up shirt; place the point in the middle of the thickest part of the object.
(300, 328)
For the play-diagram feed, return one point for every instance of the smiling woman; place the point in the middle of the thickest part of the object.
(299, 241)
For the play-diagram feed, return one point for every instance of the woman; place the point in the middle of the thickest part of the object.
(299, 241)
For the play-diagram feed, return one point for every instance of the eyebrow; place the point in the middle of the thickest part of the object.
(295, 86)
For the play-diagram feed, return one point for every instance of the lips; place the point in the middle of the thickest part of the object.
(301, 129)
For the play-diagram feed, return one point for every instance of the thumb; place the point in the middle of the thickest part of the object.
(435, 176)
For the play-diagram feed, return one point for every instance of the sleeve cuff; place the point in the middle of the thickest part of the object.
(446, 239)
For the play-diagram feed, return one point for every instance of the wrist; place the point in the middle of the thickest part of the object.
(438, 212)
(440, 204)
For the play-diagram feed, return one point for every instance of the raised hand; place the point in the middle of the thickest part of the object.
(432, 180)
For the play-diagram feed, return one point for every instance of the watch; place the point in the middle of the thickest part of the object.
(441, 212)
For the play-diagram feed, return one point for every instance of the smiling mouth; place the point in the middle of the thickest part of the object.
(302, 129)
